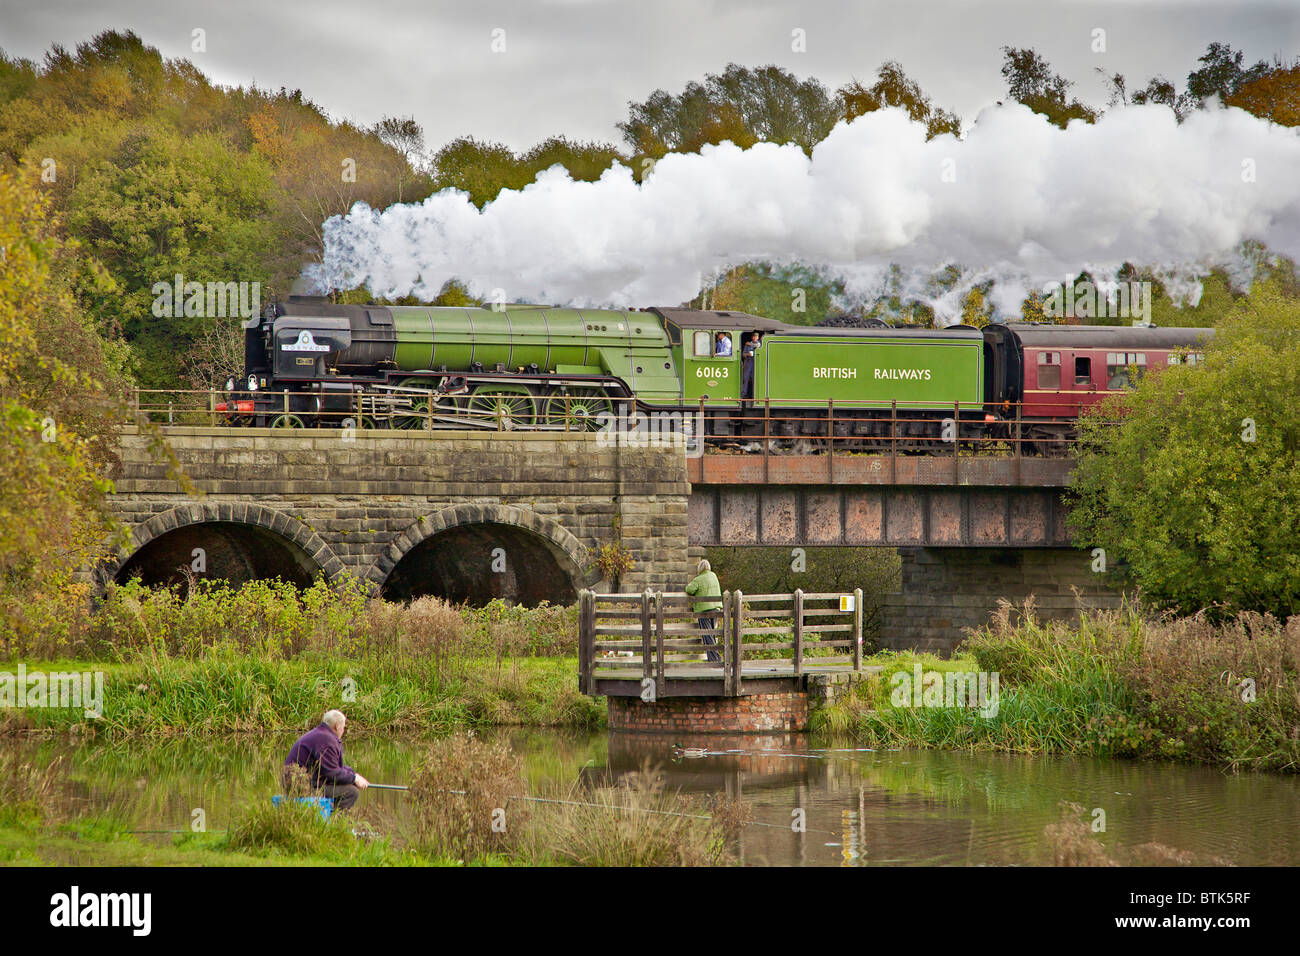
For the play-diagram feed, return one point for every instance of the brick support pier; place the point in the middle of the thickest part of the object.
(779, 712)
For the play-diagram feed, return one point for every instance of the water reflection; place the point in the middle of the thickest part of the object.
(857, 807)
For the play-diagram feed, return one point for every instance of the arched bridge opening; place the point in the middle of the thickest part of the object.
(476, 563)
(218, 550)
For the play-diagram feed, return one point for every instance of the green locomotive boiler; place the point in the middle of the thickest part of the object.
(312, 363)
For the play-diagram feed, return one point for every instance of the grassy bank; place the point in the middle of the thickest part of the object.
(1117, 684)
(470, 804)
(265, 657)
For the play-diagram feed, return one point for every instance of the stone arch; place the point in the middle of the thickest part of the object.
(289, 530)
(569, 554)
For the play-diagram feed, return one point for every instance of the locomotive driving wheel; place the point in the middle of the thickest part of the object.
(286, 421)
(419, 413)
(512, 407)
(576, 409)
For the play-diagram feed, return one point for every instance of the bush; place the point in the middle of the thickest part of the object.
(637, 823)
(461, 795)
(291, 828)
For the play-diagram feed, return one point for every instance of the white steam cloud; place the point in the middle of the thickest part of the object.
(1017, 200)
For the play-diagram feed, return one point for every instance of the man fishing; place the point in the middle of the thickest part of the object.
(319, 752)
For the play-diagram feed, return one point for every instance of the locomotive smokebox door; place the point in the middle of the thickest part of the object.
(305, 348)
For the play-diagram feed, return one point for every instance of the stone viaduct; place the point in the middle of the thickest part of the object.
(474, 516)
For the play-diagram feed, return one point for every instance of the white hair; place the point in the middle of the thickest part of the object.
(334, 719)
(703, 566)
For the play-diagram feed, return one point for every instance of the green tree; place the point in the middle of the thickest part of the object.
(1222, 74)
(790, 293)
(745, 105)
(164, 205)
(584, 161)
(1189, 483)
(1031, 81)
(480, 169)
(975, 310)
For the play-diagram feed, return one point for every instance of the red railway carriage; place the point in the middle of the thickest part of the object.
(1068, 368)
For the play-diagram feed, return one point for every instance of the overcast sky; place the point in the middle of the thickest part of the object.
(571, 66)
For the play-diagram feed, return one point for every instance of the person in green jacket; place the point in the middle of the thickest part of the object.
(708, 594)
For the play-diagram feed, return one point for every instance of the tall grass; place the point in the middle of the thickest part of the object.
(637, 823)
(461, 795)
(275, 620)
(1117, 683)
(471, 805)
(28, 790)
(267, 656)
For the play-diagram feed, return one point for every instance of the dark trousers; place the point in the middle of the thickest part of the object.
(344, 795)
(707, 625)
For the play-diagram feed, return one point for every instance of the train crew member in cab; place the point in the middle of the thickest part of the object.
(319, 752)
(748, 355)
(708, 598)
(723, 344)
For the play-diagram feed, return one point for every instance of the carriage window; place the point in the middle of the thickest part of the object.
(1049, 369)
(1082, 370)
(1117, 368)
(1190, 358)
(703, 344)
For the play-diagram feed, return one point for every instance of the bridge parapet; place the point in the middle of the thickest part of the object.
(379, 503)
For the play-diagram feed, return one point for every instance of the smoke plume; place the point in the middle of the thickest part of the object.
(1016, 200)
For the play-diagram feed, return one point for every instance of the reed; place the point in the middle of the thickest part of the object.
(1116, 683)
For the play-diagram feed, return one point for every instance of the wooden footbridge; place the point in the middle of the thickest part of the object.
(650, 645)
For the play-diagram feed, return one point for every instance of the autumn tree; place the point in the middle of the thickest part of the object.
(405, 136)
(60, 401)
(1031, 81)
(1275, 96)
(894, 88)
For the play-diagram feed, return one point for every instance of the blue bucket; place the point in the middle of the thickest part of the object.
(326, 804)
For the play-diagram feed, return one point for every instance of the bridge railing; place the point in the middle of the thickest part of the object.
(838, 428)
(655, 639)
(1038, 427)
(395, 407)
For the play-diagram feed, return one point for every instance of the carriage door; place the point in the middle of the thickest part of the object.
(1081, 383)
(708, 375)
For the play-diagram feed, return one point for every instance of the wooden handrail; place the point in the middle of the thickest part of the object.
(656, 640)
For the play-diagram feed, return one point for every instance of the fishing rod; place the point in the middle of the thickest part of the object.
(577, 803)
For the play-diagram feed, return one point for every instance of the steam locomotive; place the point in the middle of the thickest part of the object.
(312, 363)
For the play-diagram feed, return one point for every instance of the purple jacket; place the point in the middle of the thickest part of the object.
(320, 751)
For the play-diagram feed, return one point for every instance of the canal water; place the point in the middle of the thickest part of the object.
(815, 801)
